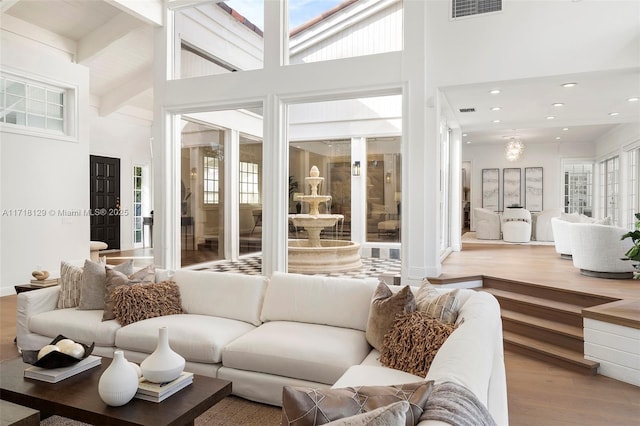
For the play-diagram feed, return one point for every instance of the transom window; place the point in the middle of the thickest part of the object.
(32, 105)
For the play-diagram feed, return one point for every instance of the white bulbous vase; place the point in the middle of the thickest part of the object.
(163, 365)
(119, 382)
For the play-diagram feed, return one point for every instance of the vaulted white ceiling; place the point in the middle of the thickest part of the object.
(114, 38)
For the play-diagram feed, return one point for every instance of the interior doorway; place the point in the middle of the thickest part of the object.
(466, 196)
(104, 175)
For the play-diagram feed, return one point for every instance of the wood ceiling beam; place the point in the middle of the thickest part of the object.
(148, 11)
(105, 35)
(116, 97)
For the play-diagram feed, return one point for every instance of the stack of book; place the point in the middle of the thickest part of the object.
(157, 392)
(44, 283)
(54, 375)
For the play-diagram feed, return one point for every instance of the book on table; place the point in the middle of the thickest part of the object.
(54, 375)
(157, 392)
(44, 283)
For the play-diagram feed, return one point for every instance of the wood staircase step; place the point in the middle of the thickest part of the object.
(545, 324)
(548, 352)
(553, 310)
(567, 336)
(557, 294)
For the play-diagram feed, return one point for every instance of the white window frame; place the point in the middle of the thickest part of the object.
(214, 180)
(69, 111)
(589, 186)
(609, 170)
(138, 224)
(249, 182)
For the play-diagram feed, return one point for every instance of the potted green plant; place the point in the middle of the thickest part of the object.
(633, 253)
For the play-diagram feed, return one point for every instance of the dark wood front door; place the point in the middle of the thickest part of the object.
(105, 200)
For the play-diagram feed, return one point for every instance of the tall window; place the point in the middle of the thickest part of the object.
(32, 105)
(609, 188)
(445, 179)
(633, 205)
(211, 178)
(137, 204)
(249, 190)
(578, 188)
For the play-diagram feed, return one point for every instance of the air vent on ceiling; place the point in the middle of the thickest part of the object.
(462, 8)
(467, 110)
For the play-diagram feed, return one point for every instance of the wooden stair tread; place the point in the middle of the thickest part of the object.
(553, 326)
(538, 301)
(550, 350)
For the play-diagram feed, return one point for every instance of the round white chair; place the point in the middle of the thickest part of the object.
(516, 225)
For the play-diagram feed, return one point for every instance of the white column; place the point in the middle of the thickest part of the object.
(421, 152)
(359, 191)
(275, 175)
(231, 194)
(455, 221)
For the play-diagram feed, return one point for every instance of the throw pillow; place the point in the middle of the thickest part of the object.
(309, 407)
(141, 301)
(93, 280)
(393, 414)
(443, 306)
(413, 342)
(70, 277)
(384, 307)
(114, 279)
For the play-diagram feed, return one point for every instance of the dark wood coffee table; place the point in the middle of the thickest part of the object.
(77, 398)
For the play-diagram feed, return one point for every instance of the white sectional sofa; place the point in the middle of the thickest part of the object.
(263, 333)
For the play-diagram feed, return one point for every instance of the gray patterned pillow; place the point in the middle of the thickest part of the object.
(442, 306)
(392, 414)
(70, 277)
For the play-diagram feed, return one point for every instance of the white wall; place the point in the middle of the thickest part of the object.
(42, 174)
(127, 138)
(548, 156)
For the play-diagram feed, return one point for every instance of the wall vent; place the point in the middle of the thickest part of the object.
(462, 8)
(467, 110)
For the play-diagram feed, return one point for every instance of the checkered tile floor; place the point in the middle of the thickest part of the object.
(371, 267)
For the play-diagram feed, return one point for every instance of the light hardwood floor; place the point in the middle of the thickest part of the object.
(539, 394)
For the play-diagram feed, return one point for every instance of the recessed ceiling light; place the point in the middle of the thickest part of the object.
(464, 134)
(613, 113)
(569, 84)
(494, 91)
(496, 121)
(557, 104)
(551, 117)
(468, 141)
(495, 108)
(557, 137)
(634, 99)
(564, 129)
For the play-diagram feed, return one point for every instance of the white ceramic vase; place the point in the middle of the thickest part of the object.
(119, 382)
(163, 365)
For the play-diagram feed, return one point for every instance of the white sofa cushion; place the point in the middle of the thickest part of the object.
(312, 352)
(220, 294)
(374, 375)
(340, 302)
(198, 338)
(84, 326)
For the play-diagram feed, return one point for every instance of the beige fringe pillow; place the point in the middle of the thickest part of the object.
(413, 342)
(141, 301)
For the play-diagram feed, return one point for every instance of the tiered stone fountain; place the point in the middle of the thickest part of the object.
(315, 254)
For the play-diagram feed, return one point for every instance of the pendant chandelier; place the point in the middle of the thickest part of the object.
(513, 149)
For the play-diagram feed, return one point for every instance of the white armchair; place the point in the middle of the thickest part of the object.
(542, 224)
(598, 250)
(516, 225)
(560, 226)
(487, 224)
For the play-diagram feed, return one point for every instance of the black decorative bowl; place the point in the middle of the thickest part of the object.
(55, 359)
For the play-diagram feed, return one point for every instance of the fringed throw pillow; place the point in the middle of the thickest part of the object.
(141, 301)
(114, 279)
(413, 342)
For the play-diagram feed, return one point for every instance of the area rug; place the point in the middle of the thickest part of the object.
(470, 238)
(231, 411)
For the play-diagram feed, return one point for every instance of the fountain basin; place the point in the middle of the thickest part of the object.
(330, 256)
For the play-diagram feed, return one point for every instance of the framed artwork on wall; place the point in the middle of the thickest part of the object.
(490, 189)
(511, 192)
(533, 189)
